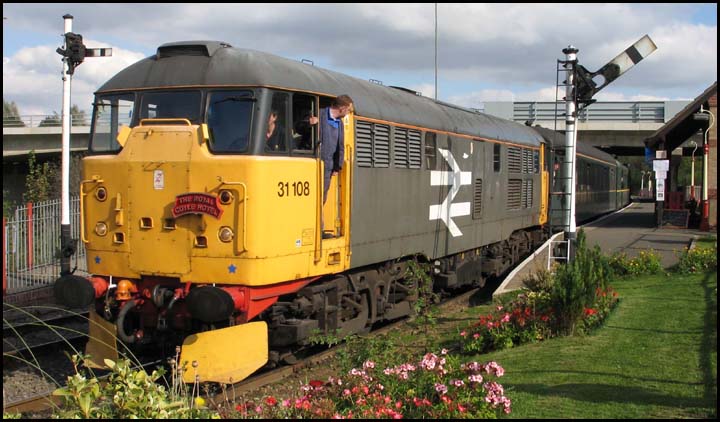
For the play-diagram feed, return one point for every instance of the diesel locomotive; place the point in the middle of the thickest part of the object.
(198, 234)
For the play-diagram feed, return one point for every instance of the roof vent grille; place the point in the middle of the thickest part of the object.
(190, 48)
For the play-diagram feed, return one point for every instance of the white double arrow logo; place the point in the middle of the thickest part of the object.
(455, 179)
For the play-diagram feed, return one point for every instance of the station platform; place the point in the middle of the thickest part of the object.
(629, 230)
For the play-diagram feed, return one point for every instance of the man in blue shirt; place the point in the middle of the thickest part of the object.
(332, 137)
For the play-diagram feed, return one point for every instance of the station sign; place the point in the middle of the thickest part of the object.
(661, 165)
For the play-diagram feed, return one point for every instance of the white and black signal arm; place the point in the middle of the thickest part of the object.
(75, 51)
(589, 83)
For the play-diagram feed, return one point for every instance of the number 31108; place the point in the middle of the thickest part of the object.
(293, 189)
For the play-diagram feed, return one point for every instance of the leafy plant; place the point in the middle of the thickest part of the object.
(128, 394)
(646, 262)
(697, 260)
(42, 181)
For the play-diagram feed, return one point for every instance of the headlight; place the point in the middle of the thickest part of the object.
(101, 229)
(101, 194)
(225, 197)
(226, 234)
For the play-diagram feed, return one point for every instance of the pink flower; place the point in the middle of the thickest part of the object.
(505, 318)
(476, 378)
(463, 333)
(441, 388)
(499, 308)
(368, 364)
(494, 368)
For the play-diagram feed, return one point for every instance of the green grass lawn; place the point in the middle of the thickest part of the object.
(655, 357)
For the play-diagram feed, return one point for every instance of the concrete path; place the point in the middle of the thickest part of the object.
(630, 230)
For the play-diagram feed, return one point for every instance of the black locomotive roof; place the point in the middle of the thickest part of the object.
(213, 63)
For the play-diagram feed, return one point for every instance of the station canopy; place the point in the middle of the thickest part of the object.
(682, 126)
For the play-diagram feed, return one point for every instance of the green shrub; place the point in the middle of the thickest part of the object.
(576, 284)
(698, 260)
(128, 394)
(645, 263)
(539, 281)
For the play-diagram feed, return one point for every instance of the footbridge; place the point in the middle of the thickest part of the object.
(617, 127)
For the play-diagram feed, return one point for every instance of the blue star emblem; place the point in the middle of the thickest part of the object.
(232, 268)
(97, 259)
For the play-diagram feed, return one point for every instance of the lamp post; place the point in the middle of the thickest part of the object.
(705, 115)
(692, 170)
(642, 183)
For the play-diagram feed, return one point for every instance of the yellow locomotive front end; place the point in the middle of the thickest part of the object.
(192, 230)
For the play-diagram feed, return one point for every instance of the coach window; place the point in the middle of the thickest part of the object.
(430, 150)
(110, 113)
(496, 158)
(229, 115)
(304, 135)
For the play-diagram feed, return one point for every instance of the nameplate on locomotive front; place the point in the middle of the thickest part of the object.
(197, 203)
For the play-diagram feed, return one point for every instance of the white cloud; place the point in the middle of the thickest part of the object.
(32, 77)
(487, 52)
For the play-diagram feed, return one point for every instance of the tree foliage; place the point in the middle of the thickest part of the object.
(41, 183)
(11, 115)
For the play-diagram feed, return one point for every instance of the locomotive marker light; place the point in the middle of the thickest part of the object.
(73, 54)
(581, 86)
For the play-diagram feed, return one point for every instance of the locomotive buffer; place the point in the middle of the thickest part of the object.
(580, 86)
(73, 55)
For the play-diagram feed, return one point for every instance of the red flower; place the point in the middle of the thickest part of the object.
(270, 401)
(590, 311)
(316, 383)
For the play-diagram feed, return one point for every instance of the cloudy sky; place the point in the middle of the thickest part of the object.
(486, 52)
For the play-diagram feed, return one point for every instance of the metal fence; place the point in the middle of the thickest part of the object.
(31, 245)
(44, 120)
(616, 111)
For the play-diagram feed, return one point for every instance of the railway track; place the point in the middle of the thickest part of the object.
(35, 332)
(44, 401)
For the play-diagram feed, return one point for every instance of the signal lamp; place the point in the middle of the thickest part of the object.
(226, 234)
(226, 197)
(101, 194)
(101, 229)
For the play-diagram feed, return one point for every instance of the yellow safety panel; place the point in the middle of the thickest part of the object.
(102, 341)
(227, 355)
